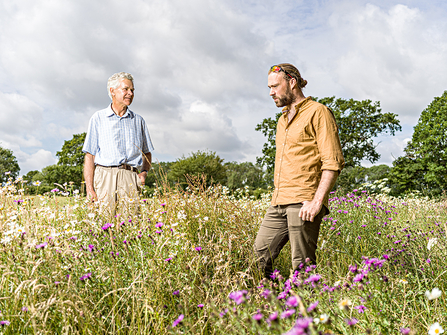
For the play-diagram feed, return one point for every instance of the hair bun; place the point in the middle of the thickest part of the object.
(303, 82)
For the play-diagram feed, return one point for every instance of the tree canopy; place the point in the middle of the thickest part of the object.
(8, 163)
(198, 164)
(358, 121)
(424, 165)
(71, 153)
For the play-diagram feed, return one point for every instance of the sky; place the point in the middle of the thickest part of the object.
(200, 67)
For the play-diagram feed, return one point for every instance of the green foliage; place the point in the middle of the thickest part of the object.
(59, 174)
(8, 163)
(352, 177)
(244, 174)
(29, 176)
(71, 153)
(198, 164)
(424, 165)
(358, 121)
(158, 173)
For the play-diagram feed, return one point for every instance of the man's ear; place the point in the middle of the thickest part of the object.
(292, 83)
(111, 91)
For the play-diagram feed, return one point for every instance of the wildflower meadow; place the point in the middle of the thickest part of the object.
(182, 262)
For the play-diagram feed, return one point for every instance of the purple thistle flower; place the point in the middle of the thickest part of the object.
(91, 247)
(106, 226)
(200, 305)
(292, 301)
(405, 331)
(428, 260)
(25, 309)
(158, 231)
(312, 306)
(238, 297)
(274, 274)
(257, 317)
(159, 225)
(286, 314)
(198, 248)
(265, 293)
(360, 309)
(168, 259)
(86, 276)
(303, 323)
(313, 278)
(283, 294)
(178, 321)
(358, 278)
(41, 246)
(176, 292)
(5, 323)
(351, 322)
(273, 316)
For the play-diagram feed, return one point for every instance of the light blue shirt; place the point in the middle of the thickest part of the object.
(115, 140)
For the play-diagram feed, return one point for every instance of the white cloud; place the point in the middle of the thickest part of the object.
(200, 66)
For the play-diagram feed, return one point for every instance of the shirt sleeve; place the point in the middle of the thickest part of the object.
(147, 142)
(328, 141)
(91, 139)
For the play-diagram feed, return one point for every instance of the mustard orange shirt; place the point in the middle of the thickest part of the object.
(305, 146)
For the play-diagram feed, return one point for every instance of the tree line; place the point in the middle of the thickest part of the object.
(423, 167)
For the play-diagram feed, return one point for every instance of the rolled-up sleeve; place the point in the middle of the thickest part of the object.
(328, 141)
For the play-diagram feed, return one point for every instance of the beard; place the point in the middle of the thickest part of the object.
(285, 100)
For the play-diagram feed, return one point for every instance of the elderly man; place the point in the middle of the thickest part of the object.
(117, 146)
(308, 161)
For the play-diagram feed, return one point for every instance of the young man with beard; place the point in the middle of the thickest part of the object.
(308, 161)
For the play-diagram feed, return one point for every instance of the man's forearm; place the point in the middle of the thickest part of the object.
(327, 182)
(89, 170)
(147, 161)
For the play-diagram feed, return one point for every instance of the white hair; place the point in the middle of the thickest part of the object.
(114, 81)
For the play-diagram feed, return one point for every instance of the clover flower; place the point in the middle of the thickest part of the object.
(434, 294)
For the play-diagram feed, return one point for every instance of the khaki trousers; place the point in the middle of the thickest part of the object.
(281, 224)
(113, 184)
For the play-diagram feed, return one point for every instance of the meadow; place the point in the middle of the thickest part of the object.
(182, 262)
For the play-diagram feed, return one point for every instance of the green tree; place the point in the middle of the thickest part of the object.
(158, 173)
(8, 163)
(59, 174)
(244, 174)
(353, 177)
(71, 153)
(358, 121)
(197, 164)
(424, 165)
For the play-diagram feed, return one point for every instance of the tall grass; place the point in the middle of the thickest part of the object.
(184, 263)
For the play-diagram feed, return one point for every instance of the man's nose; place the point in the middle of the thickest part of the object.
(272, 92)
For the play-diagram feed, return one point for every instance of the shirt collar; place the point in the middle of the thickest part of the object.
(286, 109)
(110, 112)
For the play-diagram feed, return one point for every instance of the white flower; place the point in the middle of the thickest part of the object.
(76, 191)
(344, 303)
(432, 242)
(337, 283)
(434, 294)
(91, 215)
(403, 281)
(435, 329)
(324, 318)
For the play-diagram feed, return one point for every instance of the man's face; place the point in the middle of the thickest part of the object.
(280, 90)
(124, 93)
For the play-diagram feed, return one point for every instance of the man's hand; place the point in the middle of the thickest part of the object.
(142, 177)
(91, 194)
(310, 210)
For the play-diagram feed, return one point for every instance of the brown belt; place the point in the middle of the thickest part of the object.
(122, 166)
